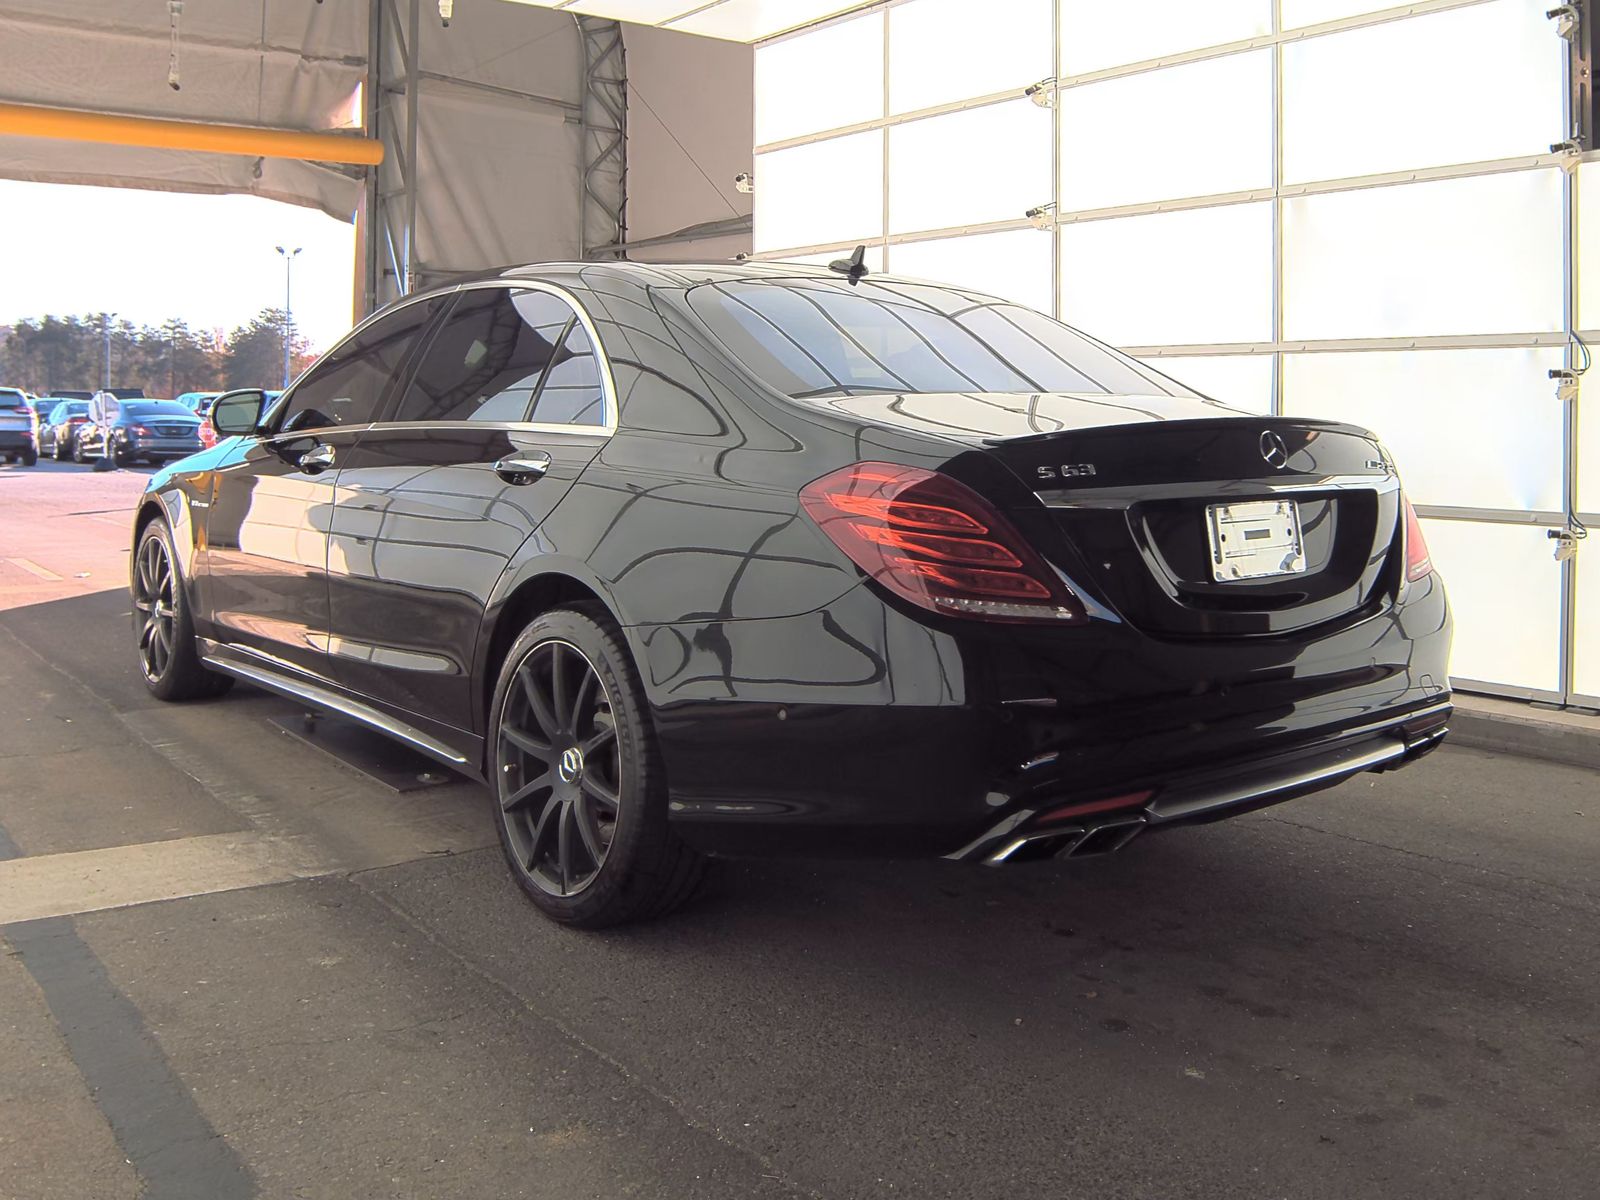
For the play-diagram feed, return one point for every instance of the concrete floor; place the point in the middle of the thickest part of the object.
(236, 969)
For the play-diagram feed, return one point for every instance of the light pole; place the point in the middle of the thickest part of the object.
(288, 320)
(108, 317)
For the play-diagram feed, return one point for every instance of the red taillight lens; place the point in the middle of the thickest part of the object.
(76, 420)
(142, 430)
(1418, 562)
(937, 543)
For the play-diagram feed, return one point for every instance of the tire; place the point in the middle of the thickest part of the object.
(118, 457)
(163, 630)
(30, 458)
(613, 795)
(77, 451)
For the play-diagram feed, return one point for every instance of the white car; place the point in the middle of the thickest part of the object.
(19, 427)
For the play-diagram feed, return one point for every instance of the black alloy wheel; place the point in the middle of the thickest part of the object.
(560, 768)
(155, 611)
(579, 789)
(169, 659)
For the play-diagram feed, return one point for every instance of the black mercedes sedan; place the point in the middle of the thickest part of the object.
(697, 560)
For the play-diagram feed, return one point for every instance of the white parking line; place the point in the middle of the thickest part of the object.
(58, 885)
(33, 568)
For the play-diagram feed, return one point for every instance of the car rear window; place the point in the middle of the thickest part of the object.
(155, 408)
(824, 337)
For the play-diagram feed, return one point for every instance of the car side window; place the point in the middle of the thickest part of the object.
(572, 393)
(348, 386)
(489, 358)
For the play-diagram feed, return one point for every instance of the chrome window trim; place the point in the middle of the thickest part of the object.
(608, 385)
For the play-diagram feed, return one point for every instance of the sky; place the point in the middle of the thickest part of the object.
(148, 256)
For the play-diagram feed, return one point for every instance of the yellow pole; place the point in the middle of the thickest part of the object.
(71, 125)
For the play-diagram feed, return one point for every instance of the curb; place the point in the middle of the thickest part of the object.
(1528, 732)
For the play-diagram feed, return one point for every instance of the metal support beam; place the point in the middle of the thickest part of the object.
(389, 218)
(413, 79)
(603, 202)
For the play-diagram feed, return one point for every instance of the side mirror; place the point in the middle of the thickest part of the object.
(238, 412)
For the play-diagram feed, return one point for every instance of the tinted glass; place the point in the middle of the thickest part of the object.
(571, 394)
(486, 362)
(824, 337)
(348, 386)
(154, 408)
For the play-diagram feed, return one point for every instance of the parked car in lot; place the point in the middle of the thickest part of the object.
(19, 427)
(58, 432)
(199, 403)
(129, 430)
(770, 559)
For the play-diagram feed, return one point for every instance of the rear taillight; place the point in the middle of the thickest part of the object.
(142, 430)
(937, 543)
(76, 420)
(1418, 562)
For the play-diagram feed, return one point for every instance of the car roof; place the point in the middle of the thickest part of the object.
(662, 274)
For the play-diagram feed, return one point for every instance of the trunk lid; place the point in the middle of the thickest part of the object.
(1128, 483)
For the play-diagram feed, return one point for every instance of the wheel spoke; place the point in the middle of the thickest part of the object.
(602, 738)
(527, 743)
(147, 633)
(602, 791)
(564, 844)
(558, 684)
(541, 829)
(582, 699)
(537, 702)
(524, 793)
(588, 834)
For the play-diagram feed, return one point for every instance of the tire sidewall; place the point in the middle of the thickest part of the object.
(642, 791)
(167, 687)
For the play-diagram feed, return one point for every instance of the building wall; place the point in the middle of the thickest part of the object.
(690, 132)
(1301, 206)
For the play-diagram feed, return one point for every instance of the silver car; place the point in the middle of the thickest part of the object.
(19, 427)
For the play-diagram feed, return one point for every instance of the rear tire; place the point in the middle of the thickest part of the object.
(30, 458)
(579, 789)
(163, 630)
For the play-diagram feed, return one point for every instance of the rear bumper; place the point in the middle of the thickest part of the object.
(859, 730)
(16, 439)
(1209, 794)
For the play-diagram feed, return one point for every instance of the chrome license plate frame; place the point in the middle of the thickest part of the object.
(1255, 539)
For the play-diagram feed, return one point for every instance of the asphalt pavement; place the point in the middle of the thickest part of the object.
(233, 967)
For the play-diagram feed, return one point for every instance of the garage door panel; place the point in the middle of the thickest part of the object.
(1096, 35)
(1366, 101)
(825, 79)
(1468, 428)
(1505, 589)
(793, 207)
(985, 164)
(938, 54)
(1178, 278)
(1215, 123)
(1454, 256)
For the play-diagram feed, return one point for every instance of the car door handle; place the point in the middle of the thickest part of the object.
(318, 458)
(523, 468)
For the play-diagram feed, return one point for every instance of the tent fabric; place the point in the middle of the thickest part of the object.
(275, 63)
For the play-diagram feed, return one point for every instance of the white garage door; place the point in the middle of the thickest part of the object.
(1302, 206)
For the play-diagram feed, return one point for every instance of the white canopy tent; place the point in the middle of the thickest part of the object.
(514, 115)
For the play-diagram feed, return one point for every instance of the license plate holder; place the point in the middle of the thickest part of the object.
(1255, 539)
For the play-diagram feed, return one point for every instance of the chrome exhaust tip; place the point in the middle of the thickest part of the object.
(1076, 842)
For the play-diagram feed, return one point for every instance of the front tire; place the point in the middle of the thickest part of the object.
(579, 788)
(77, 451)
(163, 630)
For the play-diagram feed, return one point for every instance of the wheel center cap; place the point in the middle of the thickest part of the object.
(571, 764)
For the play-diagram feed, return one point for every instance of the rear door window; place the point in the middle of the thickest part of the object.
(489, 357)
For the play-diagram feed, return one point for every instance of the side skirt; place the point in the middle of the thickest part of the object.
(220, 657)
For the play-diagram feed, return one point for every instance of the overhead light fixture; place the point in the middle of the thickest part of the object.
(1043, 216)
(744, 182)
(446, 11)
